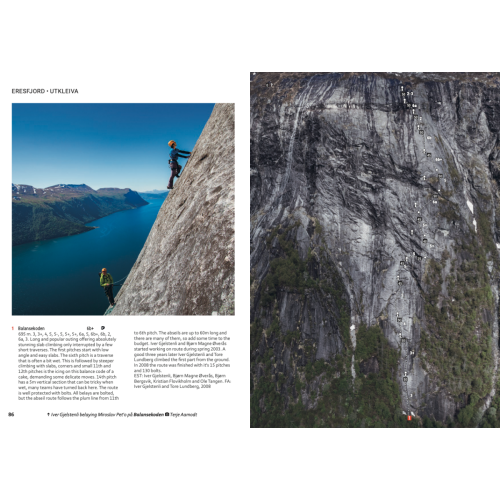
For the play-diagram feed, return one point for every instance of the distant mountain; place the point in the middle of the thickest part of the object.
(64, 209)
(155, 191)
(154, 196)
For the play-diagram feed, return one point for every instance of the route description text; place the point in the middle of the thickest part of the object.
(179, 360)
(66, 366)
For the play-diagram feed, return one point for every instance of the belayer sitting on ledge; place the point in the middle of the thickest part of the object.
(106, 281)
(175, 167)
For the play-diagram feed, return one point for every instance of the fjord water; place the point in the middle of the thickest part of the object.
(60, 276)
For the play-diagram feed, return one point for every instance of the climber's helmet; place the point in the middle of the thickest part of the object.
(172, 144)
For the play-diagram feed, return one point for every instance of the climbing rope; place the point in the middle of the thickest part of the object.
(115, 283)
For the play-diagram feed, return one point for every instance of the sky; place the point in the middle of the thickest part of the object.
(101, 145)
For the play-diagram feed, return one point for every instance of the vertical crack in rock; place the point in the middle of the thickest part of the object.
(374, 203)
(187, 264)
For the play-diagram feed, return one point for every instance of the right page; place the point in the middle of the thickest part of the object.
(374, 249)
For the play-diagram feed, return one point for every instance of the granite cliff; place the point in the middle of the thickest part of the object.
(187, 264)
(375, 230)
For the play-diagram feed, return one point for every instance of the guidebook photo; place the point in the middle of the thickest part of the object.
(123, 209)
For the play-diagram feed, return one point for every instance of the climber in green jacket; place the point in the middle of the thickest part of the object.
(106, 281)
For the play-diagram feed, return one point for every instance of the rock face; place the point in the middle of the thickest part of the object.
(375, 230)
(187, 264)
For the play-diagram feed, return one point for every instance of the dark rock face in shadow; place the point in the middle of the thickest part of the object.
(369, 366)
(187, 264)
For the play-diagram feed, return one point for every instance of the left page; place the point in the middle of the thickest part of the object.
(122, 315)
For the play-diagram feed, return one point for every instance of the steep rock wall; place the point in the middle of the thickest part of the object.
(341, 186)
(187, 264)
